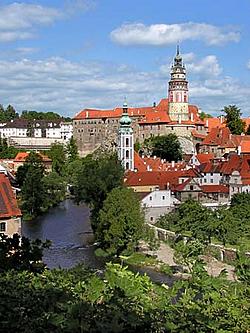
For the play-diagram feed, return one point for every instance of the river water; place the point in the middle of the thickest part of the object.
(67, 226)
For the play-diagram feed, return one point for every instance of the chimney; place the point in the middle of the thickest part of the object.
(221, 119)
(239, 150)
(154, 157)
(192, 116)
(206, 122)
(87, 114)
(172, 164)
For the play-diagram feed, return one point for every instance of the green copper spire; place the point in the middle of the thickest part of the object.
(125, 121)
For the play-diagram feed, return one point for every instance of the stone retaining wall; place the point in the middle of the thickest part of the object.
(226, 254)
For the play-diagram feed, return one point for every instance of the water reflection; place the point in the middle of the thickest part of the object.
(67, 226)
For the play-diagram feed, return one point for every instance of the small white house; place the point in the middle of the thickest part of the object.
(157, 203)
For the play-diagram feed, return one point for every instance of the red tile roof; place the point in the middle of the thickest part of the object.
(151, 114)
(8, 203)
(157, 178)
(22, 156)
(245, 146)
(154, 178)
(203, 158)
(215, 188)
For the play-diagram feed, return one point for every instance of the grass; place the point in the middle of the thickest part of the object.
(142, 260)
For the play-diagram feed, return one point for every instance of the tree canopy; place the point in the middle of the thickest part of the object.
(233, 120)
(120, 221)
(97, 177)
(166, 147)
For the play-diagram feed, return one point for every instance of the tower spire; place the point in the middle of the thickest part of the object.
(178, 49)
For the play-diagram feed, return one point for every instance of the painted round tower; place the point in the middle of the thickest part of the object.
(178, 90)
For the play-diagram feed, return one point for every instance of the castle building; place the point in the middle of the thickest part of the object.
(91, 127)
(126, 140)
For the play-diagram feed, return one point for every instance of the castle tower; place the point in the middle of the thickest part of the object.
(178, 90)
(126, 140)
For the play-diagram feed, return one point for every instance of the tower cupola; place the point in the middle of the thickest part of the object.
(126, 140)
(178, 90)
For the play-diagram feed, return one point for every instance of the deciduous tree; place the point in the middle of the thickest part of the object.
(233, 120)
(120, 221)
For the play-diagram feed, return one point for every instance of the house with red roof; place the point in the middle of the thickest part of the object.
(21, 158)
(220, 141)
(10, 214)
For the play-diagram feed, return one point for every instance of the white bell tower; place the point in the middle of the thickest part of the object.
(126, 140)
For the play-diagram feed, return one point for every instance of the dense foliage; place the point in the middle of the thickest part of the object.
(8, 114)
(121, 221)
(21, 254)
(97, 176)
(39, 191)
(227, 225)
(80, 300)
(31, 115)
(7, 151)
(233, 120)
(166, 147)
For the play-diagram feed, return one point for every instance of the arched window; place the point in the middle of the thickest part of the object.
(127, 166)
(127, 154)
(127, 142)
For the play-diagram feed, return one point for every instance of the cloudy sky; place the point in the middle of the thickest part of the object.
(63, 56)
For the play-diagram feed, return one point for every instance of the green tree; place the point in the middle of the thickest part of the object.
(233, 120)
(58, 155)
(204, 115)
(2, 114)
(166, 147)
(10, 113)
(227, 226)
(55, 188)
(33, 161)
(97, 177)
(120, 221)
(31, 115)
(30, 178)
(72, 150)
(19, 253)
(7, 151)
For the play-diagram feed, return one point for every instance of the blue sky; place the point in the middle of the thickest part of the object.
(64, 56)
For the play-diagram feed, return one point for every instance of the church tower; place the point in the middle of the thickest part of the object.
(126, 140)
(178, 90)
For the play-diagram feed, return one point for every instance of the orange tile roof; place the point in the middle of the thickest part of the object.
(215, 188)
(22, 156)
(151, 114)
(154, 178)
(8, 203)
(202, 158)
(245, 146)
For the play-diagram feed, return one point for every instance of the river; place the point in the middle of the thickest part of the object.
(67, 226)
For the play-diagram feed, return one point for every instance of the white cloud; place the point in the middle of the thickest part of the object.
(248, 64)
(165, 34)
(208, 66)
(17, 20)
(202, 68)
(66, 87)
